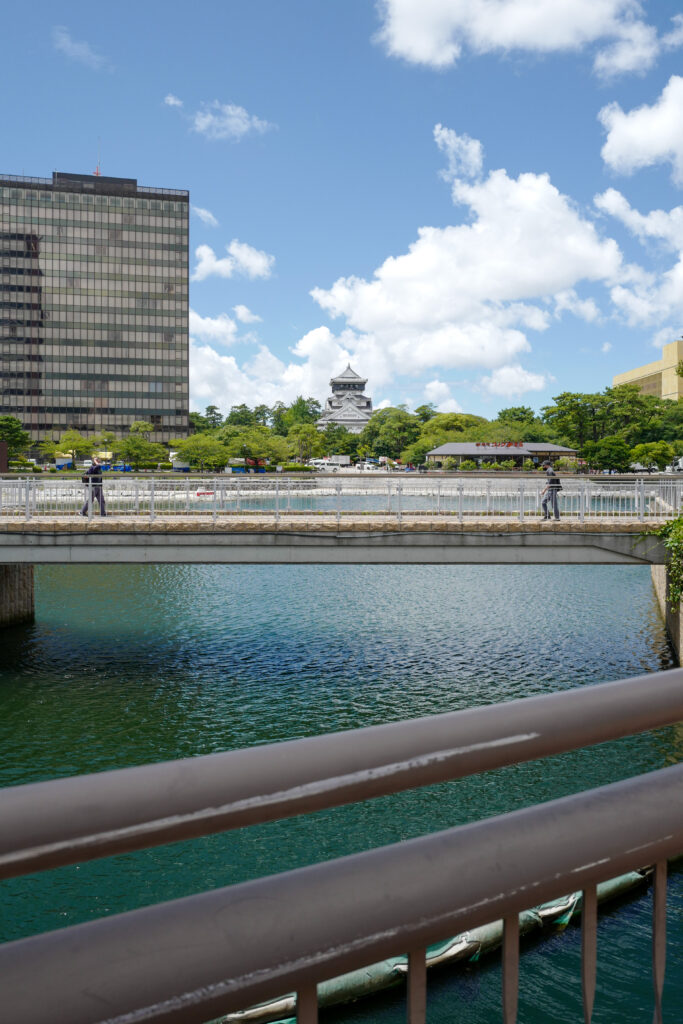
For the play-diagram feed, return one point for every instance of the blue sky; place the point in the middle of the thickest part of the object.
(475, 202)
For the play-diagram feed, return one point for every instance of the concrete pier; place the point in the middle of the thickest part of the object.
(660, 582)
(16, 594)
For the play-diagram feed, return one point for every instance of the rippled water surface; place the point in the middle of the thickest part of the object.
(127, 665)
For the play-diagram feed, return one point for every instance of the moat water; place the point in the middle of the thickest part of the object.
(128, 665)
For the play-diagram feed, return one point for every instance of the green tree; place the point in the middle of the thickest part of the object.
(141, 427)
(337, 440)
(258, 443)
(608, 453)
(388, 432)
(136, 450)
(213, 416)
(74, 444)
(577, 417)
(262, 415)
(302, 410)
(653, 453)
(12, 431)
(425, 412)
(516, 414)
(305, 441)
(202, 451)
(198, 423)
(240, 416)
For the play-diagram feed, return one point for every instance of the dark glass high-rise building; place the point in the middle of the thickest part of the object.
(93, 305)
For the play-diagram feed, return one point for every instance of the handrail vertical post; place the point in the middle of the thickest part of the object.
(589, 925)
(641, 515)
(521, 502)
(460, 502)
(398, 503)
(277, 500)
(510, 968)
(417, 986)
(90, 498)
(582, 500)
(659, 937)
(337, 488)
(151, 500)
(307, 1005)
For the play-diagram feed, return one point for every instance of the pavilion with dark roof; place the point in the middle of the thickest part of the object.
(499, 451)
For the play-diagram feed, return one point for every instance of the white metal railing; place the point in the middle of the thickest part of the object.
(277, 497)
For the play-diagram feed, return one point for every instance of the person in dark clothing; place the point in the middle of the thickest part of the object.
(94, 472)
(550, 492)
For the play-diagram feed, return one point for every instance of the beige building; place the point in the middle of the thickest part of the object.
(658, 378)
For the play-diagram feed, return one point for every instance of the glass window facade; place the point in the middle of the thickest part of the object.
(94, 293)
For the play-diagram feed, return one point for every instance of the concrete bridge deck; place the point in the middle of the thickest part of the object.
(320, 539)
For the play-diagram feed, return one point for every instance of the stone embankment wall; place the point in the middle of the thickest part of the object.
(16, 594)
(660, 581)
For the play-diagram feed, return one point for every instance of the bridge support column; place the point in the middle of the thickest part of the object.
(16, 594)
(660, 581)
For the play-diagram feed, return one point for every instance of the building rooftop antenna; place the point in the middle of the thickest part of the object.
(97, 169)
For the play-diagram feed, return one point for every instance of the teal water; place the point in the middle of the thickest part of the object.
(127, 665)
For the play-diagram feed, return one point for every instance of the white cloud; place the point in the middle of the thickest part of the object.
(635, 49)
(218, 120)
(438, 393)
(569, 301)
(606, 347)
(659, 224)
(436, 32)
(81, 52)
(646, 135)
(219, 379)
(463, 295)
(245, 315)
(206, 216)
(172, 101)
(219, 328)
(241, 258)
(512, 381)
(465, 155)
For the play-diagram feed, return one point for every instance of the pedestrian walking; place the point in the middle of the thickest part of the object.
(550, 492)
(93, 478)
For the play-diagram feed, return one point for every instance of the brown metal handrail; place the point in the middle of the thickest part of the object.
(65, 821)
(194, 958)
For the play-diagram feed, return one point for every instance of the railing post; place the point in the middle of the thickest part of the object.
(488, 497)
(398, 503)
(151, 500)
(337, 488)
(417, 986)
(27, 510)
(521, 502)
(438, 497)
(460, 502)
(137, 497)
(307, 1005)
(641, 510)
(89, 498)
(277, 500)
(659, 937)
(510, 968)
(582, 500)
(589, 924)
(289, 494)
(215, 488)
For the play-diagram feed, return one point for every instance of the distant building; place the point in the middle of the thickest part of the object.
(658, 378)
(94, 305)
(347, 406)
(501, 451)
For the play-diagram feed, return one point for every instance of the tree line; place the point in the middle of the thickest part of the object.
(611, 429)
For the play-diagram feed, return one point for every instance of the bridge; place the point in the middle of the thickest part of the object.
(325, 539)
